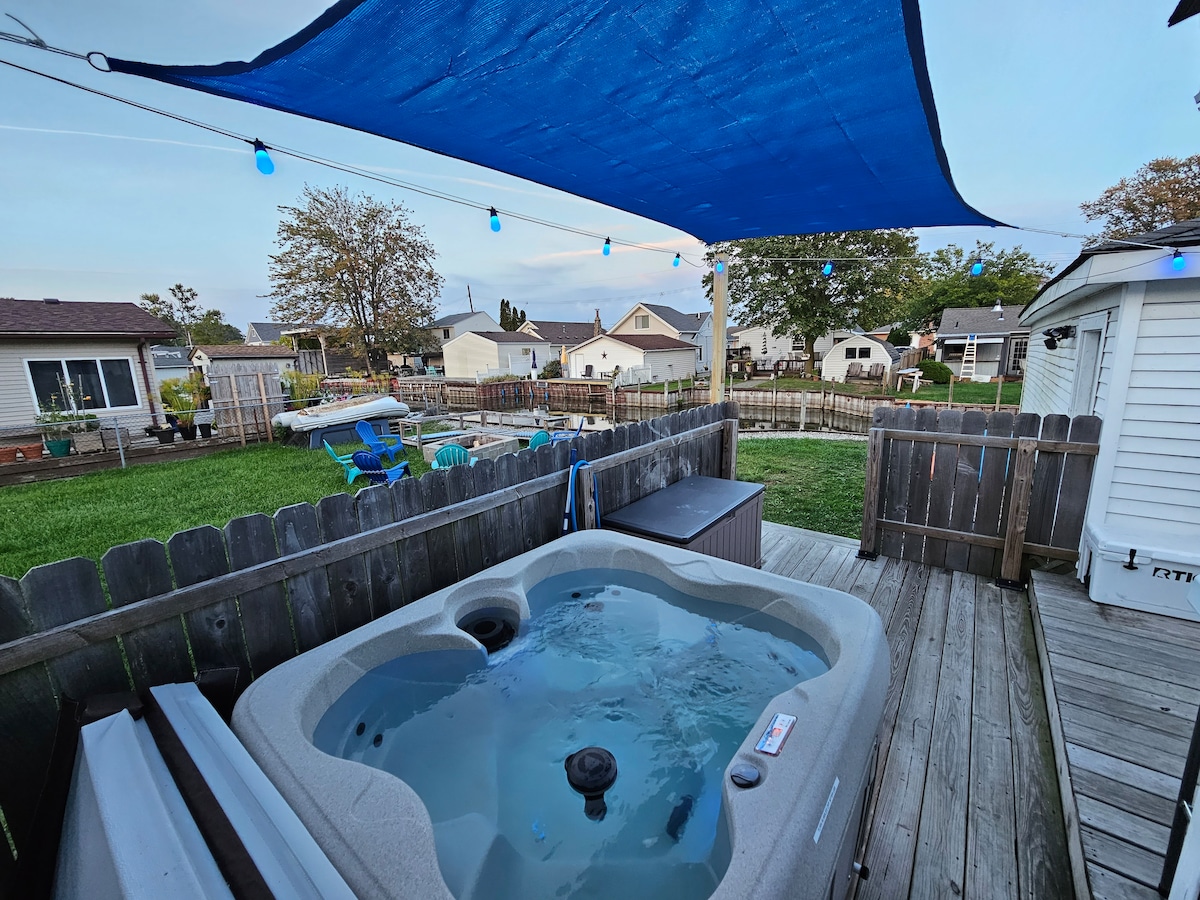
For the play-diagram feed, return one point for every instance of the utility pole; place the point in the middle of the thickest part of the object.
(469, 300)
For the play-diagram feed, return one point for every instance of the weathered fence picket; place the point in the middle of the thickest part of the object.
(954, 490)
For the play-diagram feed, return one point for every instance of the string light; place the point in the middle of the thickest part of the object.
(675, 261)
(262, 159)
(494, 218)
(720, 266)
(827, 269)
(1177, 261)
(607, 246)
(977, 266)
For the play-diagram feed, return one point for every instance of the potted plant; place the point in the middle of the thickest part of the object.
(55, 422)
(185, 416)
(85, 431)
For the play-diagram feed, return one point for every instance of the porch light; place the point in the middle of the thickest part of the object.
(494, 219)
(998, 308)
(607, 246)
(262, 159)
(1177, 261)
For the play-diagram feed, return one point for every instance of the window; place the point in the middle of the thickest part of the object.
(798, 344)
(864, 352)
(1020, 348)
(445, 334)
(851, 353)
(642, 322)
(83, 383)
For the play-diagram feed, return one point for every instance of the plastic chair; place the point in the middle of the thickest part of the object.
(375, 443)
(372, 466)
(346, 462)
(539, 438)
(452, 455)
(559, 436)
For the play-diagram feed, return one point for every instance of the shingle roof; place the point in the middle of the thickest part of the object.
(651, 341)
(243, 351)
(510, 337)
(169, 357)
(42, 317)
(569, 333)
(447, 321)
(887, 345)
(979, 320)
(680, 321)
(271, 331)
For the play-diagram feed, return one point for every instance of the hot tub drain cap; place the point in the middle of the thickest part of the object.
(592, 771)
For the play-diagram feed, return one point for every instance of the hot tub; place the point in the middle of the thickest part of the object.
(427, 767)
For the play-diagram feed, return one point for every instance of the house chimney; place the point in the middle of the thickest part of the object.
(50, 300)
(596, 325)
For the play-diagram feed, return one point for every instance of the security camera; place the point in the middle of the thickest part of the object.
(1061, 333)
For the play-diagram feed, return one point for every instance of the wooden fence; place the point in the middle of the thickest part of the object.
(265, 588)
(975, 492)
(245, 396)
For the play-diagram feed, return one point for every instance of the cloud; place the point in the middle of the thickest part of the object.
(122, 137)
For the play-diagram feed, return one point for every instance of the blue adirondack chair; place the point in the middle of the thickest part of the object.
(346, 462)
(539, 438)
(452, 455)
(376, 444)
(567, 435)
(372, 466)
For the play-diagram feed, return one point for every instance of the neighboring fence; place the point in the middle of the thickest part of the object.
(245, 396)
(974, 492)
(265, 588)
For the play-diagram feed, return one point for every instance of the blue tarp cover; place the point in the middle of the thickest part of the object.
(724, 118)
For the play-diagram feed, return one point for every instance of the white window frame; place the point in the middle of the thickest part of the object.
(62, 360)
(1086, 383)
(638, 320)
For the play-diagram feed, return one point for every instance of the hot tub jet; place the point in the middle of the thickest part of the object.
(592, 771)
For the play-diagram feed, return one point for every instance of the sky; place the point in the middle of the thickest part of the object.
(1042, 105)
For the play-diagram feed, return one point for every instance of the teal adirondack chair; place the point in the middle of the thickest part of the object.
(346, 462)
(452, 455)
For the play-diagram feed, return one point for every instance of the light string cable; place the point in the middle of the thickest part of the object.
(314, 159)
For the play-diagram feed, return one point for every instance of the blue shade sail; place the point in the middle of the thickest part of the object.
(723, 118)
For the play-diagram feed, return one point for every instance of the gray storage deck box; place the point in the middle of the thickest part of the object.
(713, 516)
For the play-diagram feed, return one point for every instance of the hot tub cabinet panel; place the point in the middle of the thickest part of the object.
(793, 835)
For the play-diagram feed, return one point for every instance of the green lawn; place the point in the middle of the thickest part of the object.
(814, 484)
(84, 516)
(964, 391)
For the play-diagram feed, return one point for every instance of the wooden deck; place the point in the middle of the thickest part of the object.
(1124, 686)
(967, 800)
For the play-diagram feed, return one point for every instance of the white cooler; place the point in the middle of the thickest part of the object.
(1164, 576)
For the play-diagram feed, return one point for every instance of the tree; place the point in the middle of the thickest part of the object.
(778, 282)
(1010, 276)
(191, 321)
(1162, 192)
(356, 263)
(511, 318)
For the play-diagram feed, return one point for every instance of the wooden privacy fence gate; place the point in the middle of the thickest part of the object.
(975, 492)
(269, 587)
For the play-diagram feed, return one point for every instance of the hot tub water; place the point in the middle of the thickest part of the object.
(668, 683)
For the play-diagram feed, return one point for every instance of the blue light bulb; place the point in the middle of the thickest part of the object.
(977, 267)
(720, 267)
(1178, 262)
(262, 159)
(675, 261)
(495, 219)
(607, 246)
(827, 269)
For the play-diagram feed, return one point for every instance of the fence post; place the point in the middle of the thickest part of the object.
(999, 385)
(585, 487)
(870, 530)
(729, 435)
(237, 408)
(262, 395)
(1018, 516)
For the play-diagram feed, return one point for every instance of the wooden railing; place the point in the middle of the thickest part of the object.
(265, 588)
(975, 492)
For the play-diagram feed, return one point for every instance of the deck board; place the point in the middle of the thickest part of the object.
(1126, 686)
(949, 818)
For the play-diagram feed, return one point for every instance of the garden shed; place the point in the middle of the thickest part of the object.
(863, 349)
(484, 353)
(1117, 334)
(657, 357)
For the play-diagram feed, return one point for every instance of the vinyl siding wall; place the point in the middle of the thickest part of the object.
(1156, 478)
(682, 364)
(18, 406)
(835, 364)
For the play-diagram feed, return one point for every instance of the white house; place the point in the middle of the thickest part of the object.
(447, 328)
(765, 345)
(651, 318)
(101, 350)
(1116, 334)
(496, 352)
(863, 349)
(644, 358)
(562, 334)
(1001, 340)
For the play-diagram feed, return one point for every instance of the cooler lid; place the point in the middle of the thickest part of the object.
(681, 511)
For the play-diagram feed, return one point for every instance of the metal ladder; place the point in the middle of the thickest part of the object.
(967, 371)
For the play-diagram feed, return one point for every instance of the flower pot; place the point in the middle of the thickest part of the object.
(59, 447)
(88, 442)
(31, 451)
(187, 431)
(205, 429)
(8, 454)
(165, 435)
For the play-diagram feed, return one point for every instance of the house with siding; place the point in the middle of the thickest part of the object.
(643, 358)
(863, 349)
(1116, 334)
(102, 350)
(653, 318)
(1001, 340)
(562, 334)
(483, 353)
(765, 345)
